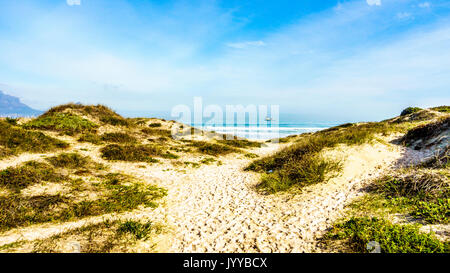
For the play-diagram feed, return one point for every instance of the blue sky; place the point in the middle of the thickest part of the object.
(321, 61)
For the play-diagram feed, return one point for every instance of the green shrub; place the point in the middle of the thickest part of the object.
(393, 238)
(61, 122)
(17, 140)
(434, 212)
(213, 149)
(100, 112)
(240, 143)
(157, 132)
(308, 171)
(138, 230)
(155, 125)
(424, 195)
(422, 185)
(11, 121)
(91, 138)
(17, 210)
(208, 161)
(442, 109)
(115, 121)
(74, 161)
(251, 155)
(29, 173)
(135, 153)
(410, 110)
(118, 138)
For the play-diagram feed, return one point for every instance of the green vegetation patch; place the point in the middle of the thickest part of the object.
(134, 153)
(240, 143)
(14, 140)
(118, 138)
(109, 236)
(309, 170)
(100, 112)
(213, 149)
(91, 138)
(140, 231)
(74, 161)
(410, 110)
(424, 195)
(442, 109)
(66, 123)
(155, 125)
(357, 233)
(117, 193)
(437, 211)
(29, 173)
(17, 211)
(157, 132)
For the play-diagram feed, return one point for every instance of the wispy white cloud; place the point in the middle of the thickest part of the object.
(404, 15)
(73, 2)
(374, 2)
(242, 45)
(424, 5)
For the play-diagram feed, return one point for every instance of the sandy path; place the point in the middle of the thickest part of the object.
(216, 209)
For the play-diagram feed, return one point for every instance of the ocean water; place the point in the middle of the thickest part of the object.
(267, 131)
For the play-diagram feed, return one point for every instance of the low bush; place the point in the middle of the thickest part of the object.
(17, 140)
(155, 125)
(11, 121)
(100, 112)
(68, 160)
(213, 149)
(118, 138)
(416, 184)
(425, 196)
(118, 194)
(62, 122)
(134, 153)
(392, 238)
(434, 212)
(410, 110)
(157, 132)
(442, 109)
(308, 171)
(29, 173)
(91, 138)
(240, 143)
(138, 230)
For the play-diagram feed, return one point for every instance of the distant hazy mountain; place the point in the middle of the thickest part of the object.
(12, 107)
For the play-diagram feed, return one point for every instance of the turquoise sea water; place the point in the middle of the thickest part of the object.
(266, 131)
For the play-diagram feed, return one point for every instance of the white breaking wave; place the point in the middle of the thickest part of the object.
(262, 132)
